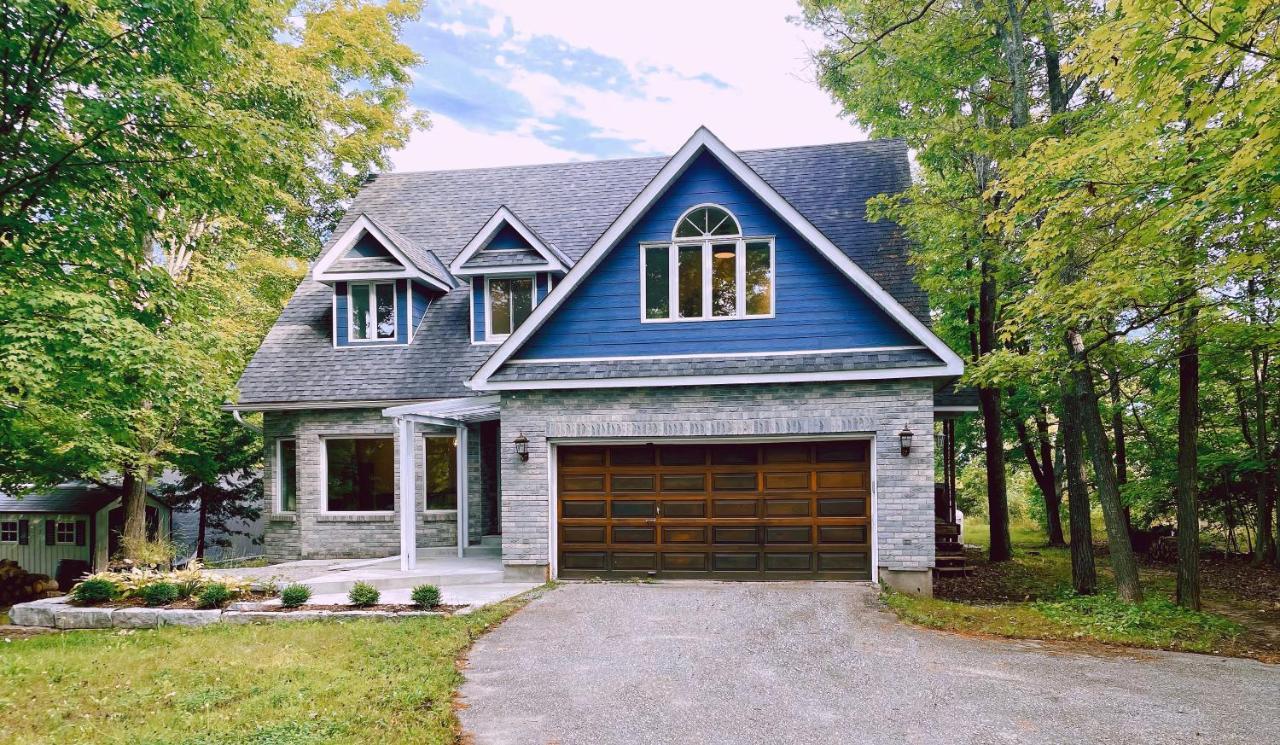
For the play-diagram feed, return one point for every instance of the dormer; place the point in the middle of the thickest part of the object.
(511, 269)
(383, 283)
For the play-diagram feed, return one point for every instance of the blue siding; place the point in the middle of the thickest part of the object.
(477, 308)
(541, 283)
(402, 316)
(422, 296)
(368, 247)
(816, 306)
(507, 237)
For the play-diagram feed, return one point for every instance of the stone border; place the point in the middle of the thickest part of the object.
(57, 613)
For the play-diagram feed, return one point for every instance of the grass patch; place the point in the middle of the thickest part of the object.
(302, 682)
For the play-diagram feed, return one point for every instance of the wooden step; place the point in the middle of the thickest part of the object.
(948, 549)
(946, 529)
(949, 561)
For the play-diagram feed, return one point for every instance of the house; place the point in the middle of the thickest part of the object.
(75, 521)
(707, 365)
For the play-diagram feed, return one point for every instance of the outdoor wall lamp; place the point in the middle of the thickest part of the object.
(522, 446)
(904, 437)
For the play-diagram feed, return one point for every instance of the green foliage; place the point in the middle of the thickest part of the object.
(293, 596)
(94, 590)
(215, 595)
(363, 594)
(425, 596)
(1157, 619)
(158, 593)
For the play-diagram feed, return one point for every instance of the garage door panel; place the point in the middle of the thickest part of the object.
(791, 510)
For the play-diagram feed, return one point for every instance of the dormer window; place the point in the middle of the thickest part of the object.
(373, 311)
(510, 301)
(709, 271)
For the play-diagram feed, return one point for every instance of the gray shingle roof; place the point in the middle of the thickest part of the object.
(423, 258)
(569, 205)
(795, 363)
(69, 498)
(514, 257)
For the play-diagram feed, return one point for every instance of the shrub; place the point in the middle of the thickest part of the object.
(158, 593)
(363, 594)
(214, 596)
(94, 590)
(294, 595)
(426, 596)
(157, 554)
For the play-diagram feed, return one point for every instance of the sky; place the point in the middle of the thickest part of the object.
(510, 82)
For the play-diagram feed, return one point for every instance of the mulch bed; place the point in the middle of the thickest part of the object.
(386, 608)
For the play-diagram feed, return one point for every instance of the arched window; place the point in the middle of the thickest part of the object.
(709, 271)
(706, 220)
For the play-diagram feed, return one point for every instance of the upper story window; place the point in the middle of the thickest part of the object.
(372, 311)
(510, 300)
(709, 271)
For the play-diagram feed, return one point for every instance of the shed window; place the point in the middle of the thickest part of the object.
(360, 474)
(372, 314)
(65, 532)
(709, 271)
(9, 531)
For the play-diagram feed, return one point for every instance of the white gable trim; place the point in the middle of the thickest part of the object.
(704, 139)
(348, 239)
(555, 261)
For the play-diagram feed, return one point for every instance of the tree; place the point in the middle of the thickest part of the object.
(152, 154)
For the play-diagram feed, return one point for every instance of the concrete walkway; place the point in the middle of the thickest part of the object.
(703, 662)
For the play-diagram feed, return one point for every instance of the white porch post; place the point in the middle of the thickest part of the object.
(463, 502)
(408, 498)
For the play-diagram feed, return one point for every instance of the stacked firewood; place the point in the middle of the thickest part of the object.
(18, 585)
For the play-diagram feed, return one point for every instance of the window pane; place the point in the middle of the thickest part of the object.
(759, 283)
(442, 473)
(386, 311)
(500, 306)
(9, 532)
(694, 224)
(361, 475)
(722, 224)
(690, 267)
(359, 298)
(521, 300)
(724, 279)
(657, 287)
(288, 475)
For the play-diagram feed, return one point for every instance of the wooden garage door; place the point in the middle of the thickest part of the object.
(790, 510)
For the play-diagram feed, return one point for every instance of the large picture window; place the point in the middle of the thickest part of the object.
(510, 303)
(442, 473)
(360, 474)
(372, 311)
(708, 272)
(287, 475)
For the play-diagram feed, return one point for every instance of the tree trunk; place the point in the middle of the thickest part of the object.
(1188, 512)
(1265, 501)
(134, 502)
(1123, 564)
(989, 403)
(1042, 470)
(201, 527)
(1117, 439)
(1084, 575)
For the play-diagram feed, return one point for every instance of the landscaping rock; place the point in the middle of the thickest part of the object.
(189, 617)
(135, 618)
(70, 617)
(32, 614)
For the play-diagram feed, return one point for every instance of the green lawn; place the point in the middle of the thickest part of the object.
(329, 681)
(1030, 598)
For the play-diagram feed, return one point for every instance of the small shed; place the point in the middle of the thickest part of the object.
(75, 520)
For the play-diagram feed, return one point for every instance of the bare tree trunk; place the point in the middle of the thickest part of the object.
(1042, 470)
(134, 502)
(1265, 501)
(1188, 512)
(202, 527)
(989, 403)
(1118, 440)
(1084, 575)
(1123, 564)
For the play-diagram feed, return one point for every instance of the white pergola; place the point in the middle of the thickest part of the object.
(455, 413)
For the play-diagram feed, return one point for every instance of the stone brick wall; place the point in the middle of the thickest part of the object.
(311, 534)
(903, 498)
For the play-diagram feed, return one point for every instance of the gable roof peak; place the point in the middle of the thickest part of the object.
(554, 259)
(415, 261)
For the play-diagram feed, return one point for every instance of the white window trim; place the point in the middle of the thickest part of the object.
(489, 336)
(324, 474)
(457, 478)
(673, 279)
(373, 308)
(58, 524)
(278, 502)
(17, 531)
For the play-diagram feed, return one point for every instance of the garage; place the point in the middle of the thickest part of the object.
(737, 511)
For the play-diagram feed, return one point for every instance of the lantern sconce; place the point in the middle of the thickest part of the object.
(904, 438)
(522, 446)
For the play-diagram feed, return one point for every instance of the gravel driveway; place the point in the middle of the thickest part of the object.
(707, 662)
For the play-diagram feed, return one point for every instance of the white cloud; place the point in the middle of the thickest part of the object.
(771, 99)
